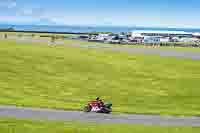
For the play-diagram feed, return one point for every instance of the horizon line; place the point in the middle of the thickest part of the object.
(103, 25)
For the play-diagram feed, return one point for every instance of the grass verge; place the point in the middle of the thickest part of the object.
(68, 77)
(8, 125)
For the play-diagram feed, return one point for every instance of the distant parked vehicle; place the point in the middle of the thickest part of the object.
(115, 41)
(83, 37)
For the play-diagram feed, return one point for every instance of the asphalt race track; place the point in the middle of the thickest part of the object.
(154, 51)
(51, 114)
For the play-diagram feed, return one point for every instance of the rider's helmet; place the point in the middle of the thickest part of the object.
(97, 98)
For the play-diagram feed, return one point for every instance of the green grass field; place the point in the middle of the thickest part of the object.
(68, 77)
(36, 34)
(33, 126)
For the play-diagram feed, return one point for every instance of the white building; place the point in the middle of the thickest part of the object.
(189, 40)
(196, 34)
(103, 37)
(166, 39)
(149, 39)
(136, 39)
(141, 33)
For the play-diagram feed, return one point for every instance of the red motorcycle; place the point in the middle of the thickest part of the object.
(95, 106)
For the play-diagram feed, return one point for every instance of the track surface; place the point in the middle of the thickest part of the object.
(156, 51)
(51, 114)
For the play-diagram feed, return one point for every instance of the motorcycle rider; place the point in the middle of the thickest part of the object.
(97, 105)
(97, 99)
(99, 102)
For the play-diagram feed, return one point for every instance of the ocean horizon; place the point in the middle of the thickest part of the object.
(84, 29)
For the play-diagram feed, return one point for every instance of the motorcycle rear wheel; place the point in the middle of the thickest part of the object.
(105, 111)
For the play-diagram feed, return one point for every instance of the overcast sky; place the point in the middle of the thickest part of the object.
(170, 13)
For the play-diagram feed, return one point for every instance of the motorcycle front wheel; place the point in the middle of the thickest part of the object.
(87, 109)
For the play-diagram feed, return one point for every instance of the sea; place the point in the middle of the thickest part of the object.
(84, 29)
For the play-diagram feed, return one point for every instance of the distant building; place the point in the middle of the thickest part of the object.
(165, 39)
(196, 34)
(103, 37)
(138, 33)
(174, 39)
(149, 39)
(136, 39)
(189, 40)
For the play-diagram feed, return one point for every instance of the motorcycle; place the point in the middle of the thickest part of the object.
(94, 107)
